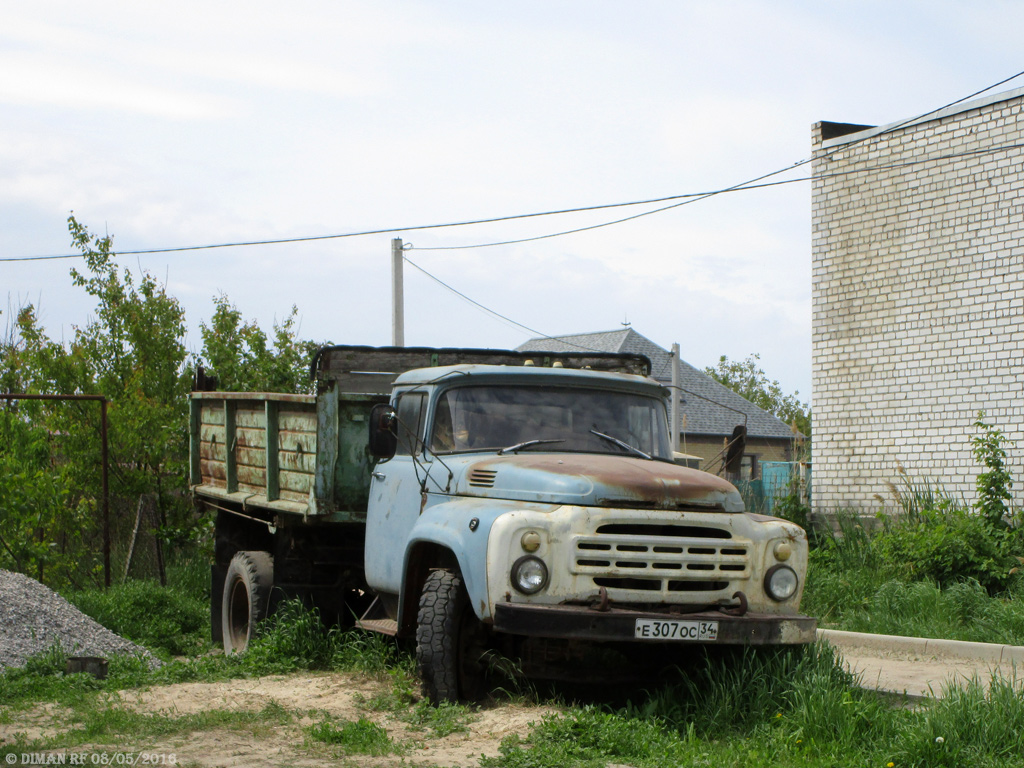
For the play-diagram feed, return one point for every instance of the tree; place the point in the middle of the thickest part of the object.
(237, 353)
(133, 353)
(749, 380)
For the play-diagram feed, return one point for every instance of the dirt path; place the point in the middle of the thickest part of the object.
(305, 699)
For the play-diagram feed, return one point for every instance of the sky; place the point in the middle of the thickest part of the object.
(193, 123)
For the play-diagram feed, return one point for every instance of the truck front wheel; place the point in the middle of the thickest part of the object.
(247, 586)
(449, 641)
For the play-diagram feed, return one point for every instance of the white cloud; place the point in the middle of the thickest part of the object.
(192, 122)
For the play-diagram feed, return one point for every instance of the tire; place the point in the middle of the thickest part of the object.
(449, 641)
(246, 601)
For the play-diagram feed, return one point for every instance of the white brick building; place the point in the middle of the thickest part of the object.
(918, 291)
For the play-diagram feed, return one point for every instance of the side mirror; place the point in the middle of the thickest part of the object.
(383, 437)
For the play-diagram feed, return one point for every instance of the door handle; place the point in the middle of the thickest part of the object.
(379, 476)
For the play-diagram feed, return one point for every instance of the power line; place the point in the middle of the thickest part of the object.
(751, 184)
(683, 199)
(736, 188)
(364, 233)
(492, 312)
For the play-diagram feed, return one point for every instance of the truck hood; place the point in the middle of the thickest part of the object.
(596, 480)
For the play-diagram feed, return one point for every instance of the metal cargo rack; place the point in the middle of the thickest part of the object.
(374, 369)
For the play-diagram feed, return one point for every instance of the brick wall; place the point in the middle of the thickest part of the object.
(918, 300)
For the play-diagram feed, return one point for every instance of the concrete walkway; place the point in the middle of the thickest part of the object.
(920, 667)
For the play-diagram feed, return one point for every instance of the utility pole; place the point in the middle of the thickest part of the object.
(675, 397)
(397, 295)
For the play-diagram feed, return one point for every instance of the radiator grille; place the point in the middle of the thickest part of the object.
(661, 558)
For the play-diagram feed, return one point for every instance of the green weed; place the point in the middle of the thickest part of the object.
(995, 482)
(188, 571)
(782, 708)
(112, 722)
(962, 611)
(444, 719)
(361, 737)
(588, 736)
(400, 694)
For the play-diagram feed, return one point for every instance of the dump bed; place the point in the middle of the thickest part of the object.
(299, 454)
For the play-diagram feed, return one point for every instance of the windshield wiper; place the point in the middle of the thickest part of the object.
(527, 444)
(622, 444)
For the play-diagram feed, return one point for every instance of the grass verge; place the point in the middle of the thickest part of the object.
(783, 708)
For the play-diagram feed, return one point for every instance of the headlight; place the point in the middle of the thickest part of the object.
(781, 582)
(529, 575)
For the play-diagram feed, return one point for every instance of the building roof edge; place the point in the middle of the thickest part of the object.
(984, 101)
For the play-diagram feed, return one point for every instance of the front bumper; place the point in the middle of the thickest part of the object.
(580, 622)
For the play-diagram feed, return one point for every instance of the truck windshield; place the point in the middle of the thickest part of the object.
(549, 419)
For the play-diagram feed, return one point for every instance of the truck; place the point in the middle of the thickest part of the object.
(486, 504)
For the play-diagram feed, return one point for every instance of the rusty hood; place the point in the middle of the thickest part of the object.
(597, 480)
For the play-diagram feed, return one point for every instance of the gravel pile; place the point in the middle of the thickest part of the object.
(32, 616)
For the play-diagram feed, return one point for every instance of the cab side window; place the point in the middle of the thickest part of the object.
(411, 411)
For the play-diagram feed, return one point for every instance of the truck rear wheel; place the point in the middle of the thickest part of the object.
(449, 641)
(247, 586)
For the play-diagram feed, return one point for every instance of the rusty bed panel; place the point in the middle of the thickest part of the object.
(237, 454)
(297, 453)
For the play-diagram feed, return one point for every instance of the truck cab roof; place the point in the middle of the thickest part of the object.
(529, 375)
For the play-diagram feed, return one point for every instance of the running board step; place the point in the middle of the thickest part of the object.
(375, 619)
(383, 626)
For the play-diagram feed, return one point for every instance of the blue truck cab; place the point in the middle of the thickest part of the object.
(505, 501)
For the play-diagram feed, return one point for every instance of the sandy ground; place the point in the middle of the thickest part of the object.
(307, 697)
(919, 675)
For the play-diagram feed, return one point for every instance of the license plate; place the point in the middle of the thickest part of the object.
(654, 629)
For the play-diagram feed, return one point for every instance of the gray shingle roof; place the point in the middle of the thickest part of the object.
(710, 408)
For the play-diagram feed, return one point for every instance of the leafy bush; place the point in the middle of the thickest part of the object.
(792, 507)
(44, 529)
(162, 619)
(945, 571)
(947, 546)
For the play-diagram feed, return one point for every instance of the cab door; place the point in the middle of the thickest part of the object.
(396, 496)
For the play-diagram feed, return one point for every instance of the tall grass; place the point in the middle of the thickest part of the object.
(294, 638)
(170, 622)
(793, 707)
(961, 611)
(917, 498)
(927, 566)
